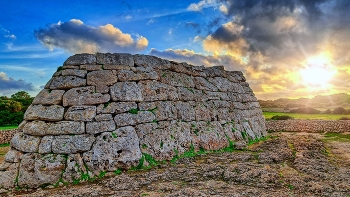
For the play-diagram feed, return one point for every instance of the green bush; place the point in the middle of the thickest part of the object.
(344, 118)
(283, 117)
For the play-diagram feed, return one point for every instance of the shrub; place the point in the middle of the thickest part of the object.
(283, 117)
(339, 110)
(344, 118)
(306, 110)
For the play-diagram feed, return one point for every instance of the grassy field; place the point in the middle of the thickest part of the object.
(269, 115)
(8, 127)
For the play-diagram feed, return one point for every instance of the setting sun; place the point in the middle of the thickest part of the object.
(318, 71)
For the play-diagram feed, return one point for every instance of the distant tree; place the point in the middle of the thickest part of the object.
(21, 95)
(339, 110)
(10, 105)
(306, 110)
(328, 111)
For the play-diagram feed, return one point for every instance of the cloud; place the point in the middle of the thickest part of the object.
(8, 84)
(8, 33)
(150, 22)
(76, 37)
(197, 7)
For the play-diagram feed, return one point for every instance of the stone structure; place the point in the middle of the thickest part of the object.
(6, 135)
(102, 112)
(312, 126)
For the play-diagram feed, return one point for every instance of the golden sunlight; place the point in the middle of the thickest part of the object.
(318, 71)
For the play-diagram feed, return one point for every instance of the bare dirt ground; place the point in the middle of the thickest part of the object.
(288, 164)
(3, 151)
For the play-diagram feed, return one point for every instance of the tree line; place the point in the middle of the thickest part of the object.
(12, 108)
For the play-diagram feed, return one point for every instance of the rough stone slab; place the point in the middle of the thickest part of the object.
(66, 127)
(13, 156)
(25, 143)
(49, 97)
(7, 178)
(36, 169)
(102, 89)
(165, 110)
(203, 84)
(114, 61)
(47, 85)
(156, 91)
(101, 77)
(65, 144)
(38, 128)
(203, 113)
(186, 94)
(126, 91)
(80, 113)
(146, 105)
(84, 96)
(46, 144)
(48, 113)
(110, 152)
(223, 84)
(91, 67)
(130, 75)
(67, 82)
(116, 107)
(184, 111)
(100, 126)
(74, 72)
(214, 72)
(79, 59)
(133, 119)
(177, 79)
(104, 117)
(75, 168)
(70, 67)
(152, 61)
(21, 126)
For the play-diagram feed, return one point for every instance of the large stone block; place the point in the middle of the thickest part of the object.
(152, 61)
(100, 126)
(65, 128)
(126, 91)
(67, 82)
(48, 113)
(74, 169)
(79, 59)
(156, 91)
(25, 143)
(185, 112)
(66, 144)
(101, 77)
(49, 97)
(113, 150)
(38, 128)
(74, 72)
(133, 119)
(115, 61)
(36, 169)
(177, 79)
(137, 74)
(116, 107)
(84, 96)
(80, 113)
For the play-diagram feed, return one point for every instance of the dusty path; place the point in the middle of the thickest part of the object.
(289, 164)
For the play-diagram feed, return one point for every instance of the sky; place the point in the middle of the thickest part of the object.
(285, 48)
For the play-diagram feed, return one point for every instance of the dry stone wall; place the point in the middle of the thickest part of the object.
(6, 135)
(102, 112)
(337, 126)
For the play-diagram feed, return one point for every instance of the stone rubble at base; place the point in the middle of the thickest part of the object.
(101, 112)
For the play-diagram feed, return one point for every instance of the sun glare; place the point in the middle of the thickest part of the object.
(318, 71)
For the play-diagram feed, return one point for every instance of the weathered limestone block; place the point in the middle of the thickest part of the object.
(126, 91)
(91, 67)
(64, 144)
(102, 77)
(104, 117)
(49, 97)
(21, 126)
(36, 170)
(84, 96)
(146, 105)
(13, 156)
(48, 113)
(116, 107)
(75, 168)
(113, 151)
(67, 82)
(74, 72)
(80, 113)
(156, 91)
(177, 79)
(46, 144)
(215, 72)
(222, 84)
(38, 128)
(165, 110)
(79, 59)
(152, 61)
(248, 130)
(203, 84)
(130, 75)
(203, 113)
(25, 143)
(133, 119)
(8, 176)
(212, 136)
(115, 61)
(100, 126)
(66, 127)
(185, 112)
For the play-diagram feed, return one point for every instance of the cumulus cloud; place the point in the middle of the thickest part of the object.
(8, 84)
(76, 37)
(197, 7)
